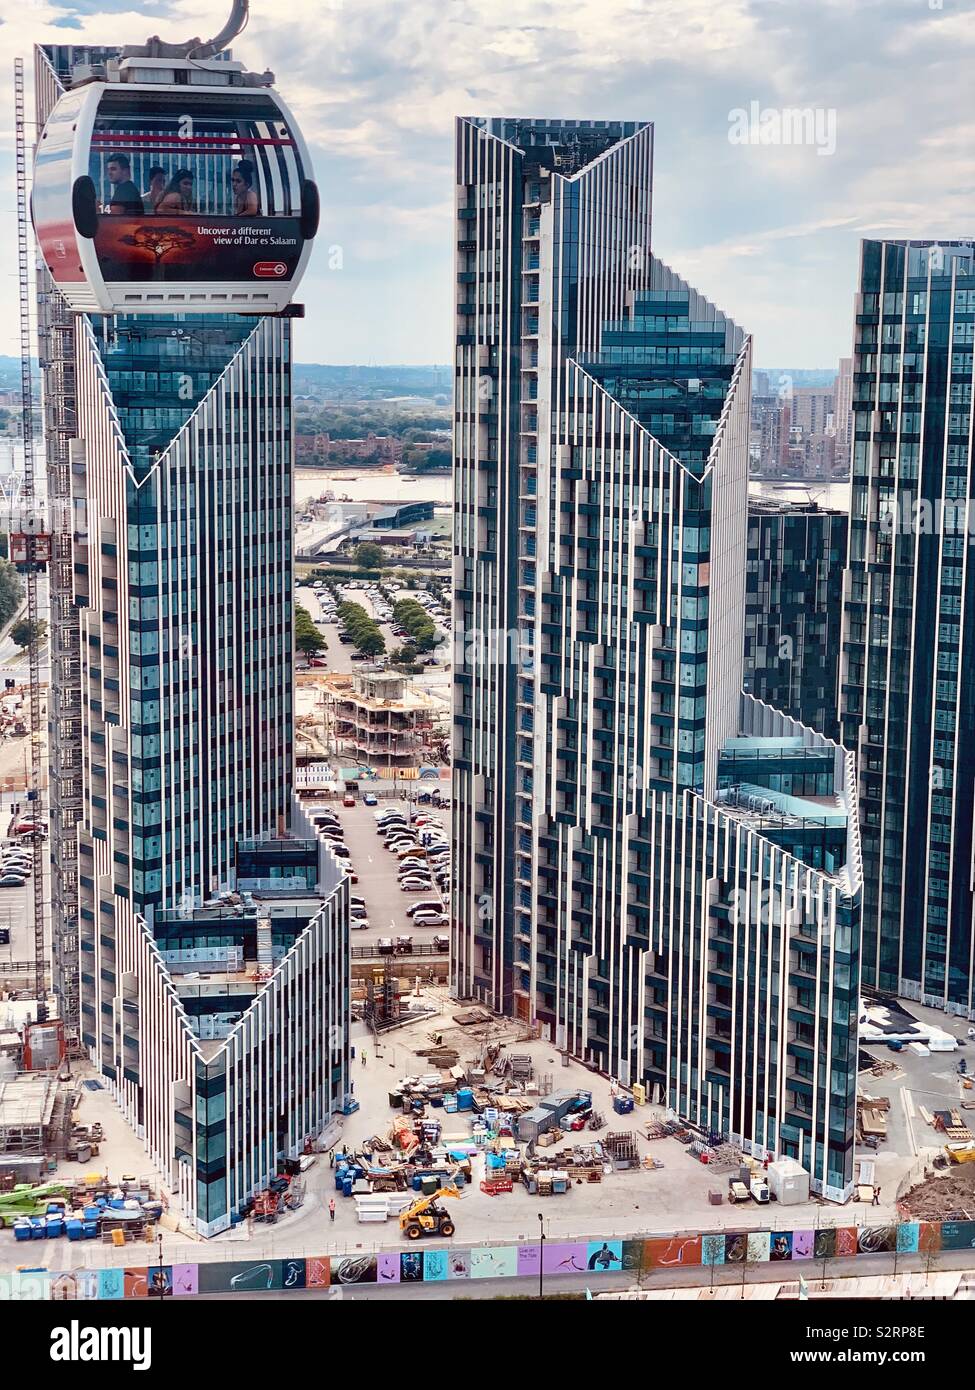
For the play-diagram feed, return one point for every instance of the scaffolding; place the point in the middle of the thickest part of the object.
(56, 352)
(35, 1115)
(30, 528)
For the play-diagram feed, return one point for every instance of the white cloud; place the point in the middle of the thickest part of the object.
(771, 231)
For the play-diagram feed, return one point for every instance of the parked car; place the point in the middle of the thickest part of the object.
(341, 850)
(370, 799)
(431, 919)
(441, 943)
(12, 881)
(358, 923)
(385, 945)
(348, 799)
(415, 885)
(414, 908)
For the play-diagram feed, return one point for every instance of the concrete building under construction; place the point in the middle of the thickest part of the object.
(380, 718)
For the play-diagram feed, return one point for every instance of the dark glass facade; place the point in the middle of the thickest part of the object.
(908, 663)
(794, 610)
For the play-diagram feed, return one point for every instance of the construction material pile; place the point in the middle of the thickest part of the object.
(82, 1210)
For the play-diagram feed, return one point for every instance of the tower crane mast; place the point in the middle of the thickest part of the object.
(30, 542)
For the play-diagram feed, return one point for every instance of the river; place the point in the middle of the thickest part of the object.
(372, 486)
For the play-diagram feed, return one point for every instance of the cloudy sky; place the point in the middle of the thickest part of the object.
(768, 231)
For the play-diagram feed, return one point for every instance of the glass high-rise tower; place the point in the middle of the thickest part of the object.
(907, 677)
(200, 925)
(657, 871)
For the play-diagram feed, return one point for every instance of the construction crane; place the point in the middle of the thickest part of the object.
(29, 536)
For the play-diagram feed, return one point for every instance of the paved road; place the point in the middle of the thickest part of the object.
(375, 865)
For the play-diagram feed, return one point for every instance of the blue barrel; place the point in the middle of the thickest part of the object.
(89, 1229)
(465, 1098)
(117, 1203)
(73, 1225)
(38, 1226)
(347, 1185)
(22, 1228)
(55, 1226)
(92, 1213)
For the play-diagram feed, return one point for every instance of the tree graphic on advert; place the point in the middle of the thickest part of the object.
(161, 241)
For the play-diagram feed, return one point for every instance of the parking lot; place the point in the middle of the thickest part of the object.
(376, 868)
(339, 655)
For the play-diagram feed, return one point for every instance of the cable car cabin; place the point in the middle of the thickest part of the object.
(176, 185)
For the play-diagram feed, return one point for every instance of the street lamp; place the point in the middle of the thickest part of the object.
(541, 1255)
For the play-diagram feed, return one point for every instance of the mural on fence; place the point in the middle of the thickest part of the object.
(589, 1258)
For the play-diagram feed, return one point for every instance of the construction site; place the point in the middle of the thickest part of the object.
(457, 1104)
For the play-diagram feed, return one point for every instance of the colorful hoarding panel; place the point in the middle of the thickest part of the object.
(602, 1257)
(847, 1243)
(495, 1262)
(824, 1245)
(666, 1251)
(908, 1236)
(802, 1244)
(735, 1248)
(877, 1240)
(758, 1247)
(434, 1265)
(633, 1254)
(356, 1269)
(712, 1250)
(186, 1280)
(388, 1268)
(489, 1262)
(958, 1235)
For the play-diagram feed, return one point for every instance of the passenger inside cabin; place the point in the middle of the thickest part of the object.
(247, 203)
(178, 197)
(124, 200)
(157, 188)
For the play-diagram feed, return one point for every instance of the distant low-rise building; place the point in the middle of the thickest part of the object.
(322, 449)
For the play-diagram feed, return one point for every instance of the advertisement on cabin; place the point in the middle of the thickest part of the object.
(206, 249)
